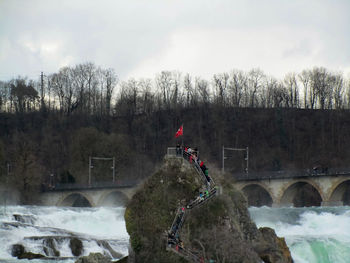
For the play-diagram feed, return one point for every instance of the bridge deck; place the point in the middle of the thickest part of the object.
(287, 174)
(93, 186)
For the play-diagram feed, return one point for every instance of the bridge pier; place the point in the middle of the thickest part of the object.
(321, 190)
(91, 197)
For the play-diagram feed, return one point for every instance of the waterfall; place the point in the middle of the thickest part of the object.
(51, 231)
(313, 235)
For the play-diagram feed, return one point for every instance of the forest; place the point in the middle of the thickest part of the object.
(49, 127)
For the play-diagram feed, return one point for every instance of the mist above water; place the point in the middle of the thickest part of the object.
(313, 234)
(87, 224)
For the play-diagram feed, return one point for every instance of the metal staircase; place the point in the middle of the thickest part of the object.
(174, 242)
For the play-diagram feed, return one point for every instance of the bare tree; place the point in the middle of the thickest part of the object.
(269, 96)
(202, 86)
(237, 82)
(255, 80)
(305, 78)
(338, 90)
(5, 96)
(146, 96)
(23, 94)
(221, 82)
(189, 91)
(164, 85)
(290, 81)
(110, 81)
(320, 86)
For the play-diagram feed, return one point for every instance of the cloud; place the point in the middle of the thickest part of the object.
(201, 51)
(202, 37)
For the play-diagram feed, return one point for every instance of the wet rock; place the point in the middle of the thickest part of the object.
(50, 247)
(94, 258)
(104, 244)
(76, 246)
(17, 250)
(273, 249)
(122, 260)
(25, 219)
(30, 255)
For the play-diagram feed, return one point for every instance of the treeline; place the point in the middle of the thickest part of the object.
(89, 89)
(50, 127)
(84, 88)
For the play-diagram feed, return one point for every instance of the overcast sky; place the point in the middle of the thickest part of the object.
(139, 38)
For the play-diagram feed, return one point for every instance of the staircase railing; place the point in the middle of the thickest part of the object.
(173, 239)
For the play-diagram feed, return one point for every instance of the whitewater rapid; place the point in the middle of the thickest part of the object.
(87, 224)
(313, 235)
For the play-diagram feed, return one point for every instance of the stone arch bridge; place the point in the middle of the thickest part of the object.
(298, 189)
(78, 195)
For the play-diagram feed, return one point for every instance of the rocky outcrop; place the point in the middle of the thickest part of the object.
(104, 244)
(272, 248)
(122, 260)
(18, 251)
(220, 229)
(50, 247)
(26, 219)
(52, 244)
(76, 246)
(94, 258)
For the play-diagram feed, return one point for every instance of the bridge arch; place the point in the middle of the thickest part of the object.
(301, 193)
(257, 195)
(113, 198)
(76, 199)
(340, 192)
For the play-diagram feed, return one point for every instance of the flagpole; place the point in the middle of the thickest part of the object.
(182, 137)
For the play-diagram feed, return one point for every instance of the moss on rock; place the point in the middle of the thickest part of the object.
(220, 229)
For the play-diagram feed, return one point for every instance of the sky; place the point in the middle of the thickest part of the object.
(139, 38)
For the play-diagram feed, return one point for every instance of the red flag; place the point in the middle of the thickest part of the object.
(179, 132)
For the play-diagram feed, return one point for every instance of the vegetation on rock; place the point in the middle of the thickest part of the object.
(220, 229)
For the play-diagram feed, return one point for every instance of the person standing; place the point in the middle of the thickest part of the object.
(178, 149)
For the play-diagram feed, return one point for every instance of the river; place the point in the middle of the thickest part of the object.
(320, 234)
(91, 225)
(314, 235)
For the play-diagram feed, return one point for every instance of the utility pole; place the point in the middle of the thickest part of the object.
(49, 90)
(102, 159)
(235, 149)
(7, 185)
(42, 89)
(90, 166)
(113, 168)
(223, 159)
(247, 159)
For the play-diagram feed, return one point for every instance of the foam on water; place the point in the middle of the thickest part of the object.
(317, 235)
(104, 223)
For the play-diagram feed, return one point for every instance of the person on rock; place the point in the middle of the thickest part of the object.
(201, 196)
(178, 149)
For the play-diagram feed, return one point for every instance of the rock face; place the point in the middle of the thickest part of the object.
(76, 246)
(26, 219)
(18, 251)
(94, 258)
(219, 230)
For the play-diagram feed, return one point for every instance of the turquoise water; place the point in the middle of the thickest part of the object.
(314, 235)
